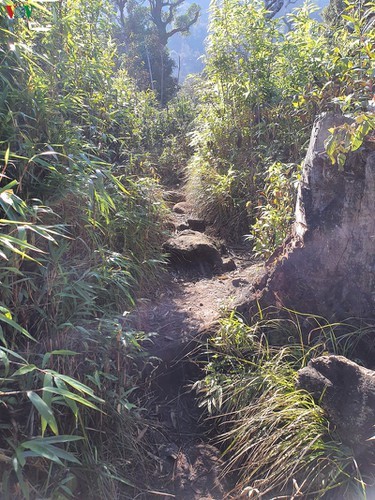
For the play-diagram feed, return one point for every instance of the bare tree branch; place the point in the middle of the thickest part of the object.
(274, 6)
(163, 18)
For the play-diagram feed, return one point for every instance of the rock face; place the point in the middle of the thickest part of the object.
(327, 266)
(193, 248)
(347, 392)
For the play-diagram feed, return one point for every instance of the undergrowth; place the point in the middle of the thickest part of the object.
(82, 220)
(275, 438)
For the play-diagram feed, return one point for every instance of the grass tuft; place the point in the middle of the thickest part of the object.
(276, 440)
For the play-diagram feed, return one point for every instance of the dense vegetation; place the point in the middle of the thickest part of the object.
(89, 131)
(82, 225)
(258, 102)
(275, 437)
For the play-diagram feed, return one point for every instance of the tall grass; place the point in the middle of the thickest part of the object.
(275, 437)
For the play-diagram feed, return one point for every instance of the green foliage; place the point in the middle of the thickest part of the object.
(354, 59)
(332, 13)
(185, 21)
(347, 138)
(247, 117)
(84, 143)
(145, 55)
(258, 102)
(165, 14)
(273, 434)
(82, 225)
(174, 149)
(219, 196)
(275, 208)
(21, 378)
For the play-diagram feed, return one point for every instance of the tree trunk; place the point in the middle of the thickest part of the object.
(162, 77)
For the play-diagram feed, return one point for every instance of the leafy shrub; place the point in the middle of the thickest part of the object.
(81, 237)
(246, 117)
(257, 109)
(276, 208)
(219, 197)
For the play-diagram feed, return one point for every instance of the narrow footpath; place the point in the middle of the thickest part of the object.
(195, 292)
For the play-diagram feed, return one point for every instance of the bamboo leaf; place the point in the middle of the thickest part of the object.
(44, 411)
(20, 456)
(6, 156)
(76, 385)
(70, 402)
(43, 448)
(13, 353)
(64, 352)
(25, 369)
(72, 396)
(63, 438)
(16, 326)
(47, 397)
(8, 187)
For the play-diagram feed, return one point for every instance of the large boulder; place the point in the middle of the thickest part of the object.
(347, 392)
(327, 265)
(193, 248)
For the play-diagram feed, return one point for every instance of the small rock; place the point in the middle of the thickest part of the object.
(183, 208)
(347, 393)
(174, 196)
(182, 227)
(197, 225)
(228, 265)
(192, 247)
(239, 282)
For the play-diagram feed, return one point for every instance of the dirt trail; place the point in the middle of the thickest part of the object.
(187, 304)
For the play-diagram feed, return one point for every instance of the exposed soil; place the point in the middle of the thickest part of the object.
(188, 302)
(186, 307)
